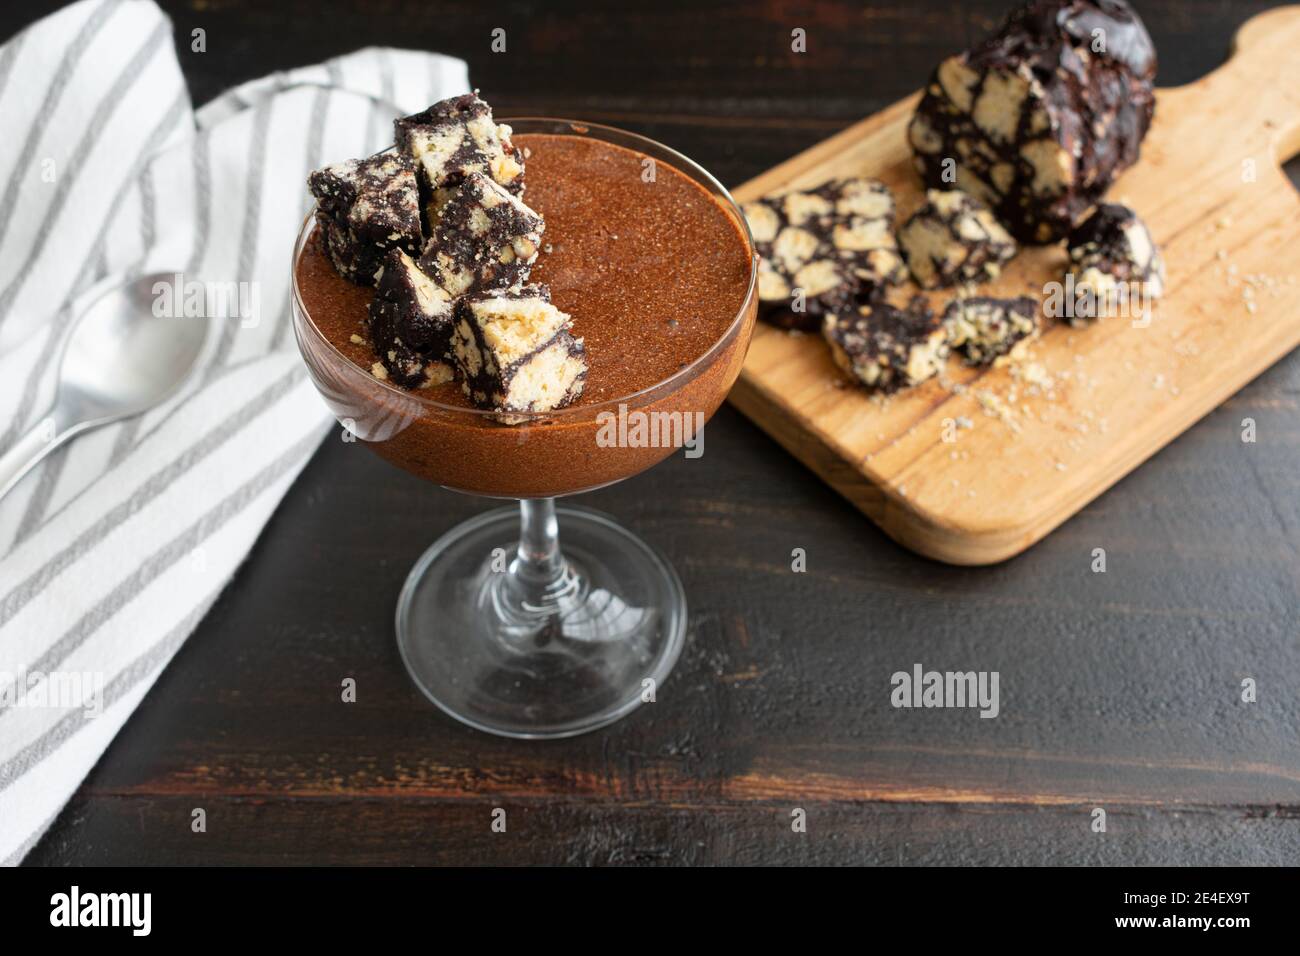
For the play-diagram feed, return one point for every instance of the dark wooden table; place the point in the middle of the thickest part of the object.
(1118, 690)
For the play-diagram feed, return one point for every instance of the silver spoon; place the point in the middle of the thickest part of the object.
(120, 359)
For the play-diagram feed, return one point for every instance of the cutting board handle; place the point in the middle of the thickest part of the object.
(1264, 67)
(1273, 32)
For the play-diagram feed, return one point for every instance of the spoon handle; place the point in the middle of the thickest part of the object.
(49, 433)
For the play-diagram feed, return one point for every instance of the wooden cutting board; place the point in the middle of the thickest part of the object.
(977, 470)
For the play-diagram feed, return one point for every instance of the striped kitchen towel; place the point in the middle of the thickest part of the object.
(115, 546)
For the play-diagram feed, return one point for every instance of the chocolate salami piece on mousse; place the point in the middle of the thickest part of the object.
(411, 324)
(516, 352)
(364, 207)
(834, 244)
(484, 237)
(1040, 118)
(886, 348)
(984, 329)
(954, 240)
(456, 137)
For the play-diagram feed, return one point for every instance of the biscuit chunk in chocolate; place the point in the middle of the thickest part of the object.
(954, 240)
(364, 207)
(456, 137)
(516, 351)
(823, 249)
(886, 348)
(484, 237)
(1115, 265)
(984, 329)
(1039, 119)
(410, 323)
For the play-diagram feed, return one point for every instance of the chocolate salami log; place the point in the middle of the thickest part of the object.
(1039, 119)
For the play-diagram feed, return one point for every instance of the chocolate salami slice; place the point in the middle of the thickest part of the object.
(410, 323)
(984, 329)
(1039, 119)
(1114, 264)
(459, 136)
(516, 352)
(954, 240)
(823, 250)
(483, 237)
(364, 207)
(887, 348)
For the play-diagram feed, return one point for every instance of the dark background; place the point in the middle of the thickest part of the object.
(1119, 690)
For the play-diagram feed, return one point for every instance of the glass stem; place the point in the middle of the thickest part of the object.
(540, 583)
(538, 563)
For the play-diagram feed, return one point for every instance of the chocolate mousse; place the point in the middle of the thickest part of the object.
(654, 276)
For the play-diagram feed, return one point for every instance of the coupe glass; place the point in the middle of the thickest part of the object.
(542, 620)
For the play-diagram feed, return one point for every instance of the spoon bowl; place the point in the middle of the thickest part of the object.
(123, 356)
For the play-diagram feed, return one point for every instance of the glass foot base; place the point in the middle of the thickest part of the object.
(495, 653)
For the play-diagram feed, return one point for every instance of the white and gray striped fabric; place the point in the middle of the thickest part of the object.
(116, 546)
